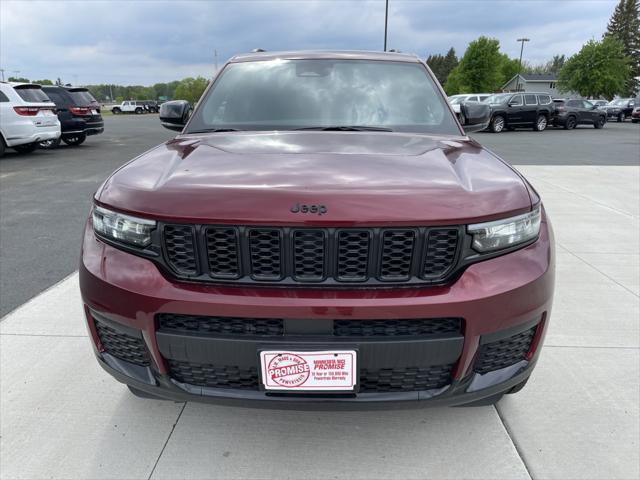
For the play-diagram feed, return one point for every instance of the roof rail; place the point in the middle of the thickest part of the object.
(258, 50)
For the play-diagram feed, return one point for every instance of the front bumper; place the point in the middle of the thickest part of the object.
(497, 300)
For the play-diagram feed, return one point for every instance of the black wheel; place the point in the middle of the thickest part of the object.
(138, 110)
(519, 386)
(541, 123)
(142, 394)
(497, 124)
(621, 117)
(570, 123)
(1, 146)
(26, 148)
(115, 111)
(50, 144)
(74, 140)
(599, 123)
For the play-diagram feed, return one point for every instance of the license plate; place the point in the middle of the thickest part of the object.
(94, 112)
(317, 371)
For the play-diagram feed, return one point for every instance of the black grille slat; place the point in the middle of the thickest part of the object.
(396, 328)
(440, 252)
(327, 256)
(309, 254)
(353, 255)
(220, 326)
(397, 253)
(371, 381)
(121, 345)
(179, 244)
(223, 252)
(212, 376)
(504, 353)
(265, 248)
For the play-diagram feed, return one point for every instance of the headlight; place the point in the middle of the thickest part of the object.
(491, 236)
(122, 228)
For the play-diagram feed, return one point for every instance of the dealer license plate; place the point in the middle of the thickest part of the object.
(317, 371)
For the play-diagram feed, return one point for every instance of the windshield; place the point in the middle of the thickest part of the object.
(619, 101)
(32, 93)
(498, 98)
(82, 97)
(299, 94)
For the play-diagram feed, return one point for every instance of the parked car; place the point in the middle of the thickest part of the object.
(353, 246)
(599, 103)
(517, 110)
(621, 108)
(27, 116)
(635, 115)
(128, 106)
(570, 113)
(150, 106)
(78, 112)
(457, 100)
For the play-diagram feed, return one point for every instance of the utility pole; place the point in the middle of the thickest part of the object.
(16, 73)
(2, 72)
(215, 56)
(386, 20)
(521, 40)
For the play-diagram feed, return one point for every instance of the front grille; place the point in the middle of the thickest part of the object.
(371, 381)
(276, 327)
(504, 353)
(121, 345)
(325, 256)
(396, 328)
(405, 379)
(205, 375)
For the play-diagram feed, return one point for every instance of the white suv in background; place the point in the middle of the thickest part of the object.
(27, 117)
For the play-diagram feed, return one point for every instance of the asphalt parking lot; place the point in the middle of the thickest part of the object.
(62, 417)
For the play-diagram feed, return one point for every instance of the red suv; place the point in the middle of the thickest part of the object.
(321, 230)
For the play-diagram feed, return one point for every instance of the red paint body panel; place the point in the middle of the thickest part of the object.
(363, 178)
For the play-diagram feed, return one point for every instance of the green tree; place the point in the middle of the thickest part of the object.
(508, 68)
(453, 85)
(191, 89)
(43, 82)
(443, 65)
(598, 69)
(18, 79)
(480, 69)
(625, 26)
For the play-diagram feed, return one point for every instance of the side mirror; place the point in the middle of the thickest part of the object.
(174, 115)
(476, 116)
(513, 104)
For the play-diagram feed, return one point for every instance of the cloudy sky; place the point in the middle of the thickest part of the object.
(143, 42)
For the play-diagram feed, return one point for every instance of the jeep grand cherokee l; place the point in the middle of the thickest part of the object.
(321, 230)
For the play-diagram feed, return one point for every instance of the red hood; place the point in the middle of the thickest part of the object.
(363, 178)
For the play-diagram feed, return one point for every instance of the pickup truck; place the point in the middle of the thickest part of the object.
(129, 106)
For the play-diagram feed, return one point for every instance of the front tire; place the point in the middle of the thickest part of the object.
(599, 123)
(541, 123)
(74, 140)
(2, 147)
(570, 123)
(497, 124)
(50, 144)
(116, 111)
(26, 148)
(621, 117)
(138, 111)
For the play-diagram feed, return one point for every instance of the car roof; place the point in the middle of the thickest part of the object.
(325, 54)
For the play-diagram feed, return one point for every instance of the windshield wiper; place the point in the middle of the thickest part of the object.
(347, 128)
(216, 130)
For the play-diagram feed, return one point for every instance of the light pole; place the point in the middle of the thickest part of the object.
(386, 19)
(521, 40)
(2, 72)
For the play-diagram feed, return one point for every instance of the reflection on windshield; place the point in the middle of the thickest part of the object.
(498, 98)
(294, 94)
(619, 101)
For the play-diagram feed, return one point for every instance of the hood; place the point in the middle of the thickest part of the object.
(361, 178)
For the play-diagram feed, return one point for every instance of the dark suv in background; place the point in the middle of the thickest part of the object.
(574, 112)
(78, 112)
(621, 108)
(518, 110)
